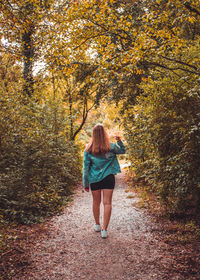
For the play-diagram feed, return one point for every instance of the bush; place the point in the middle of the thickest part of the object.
(38, 164)
(164, 140)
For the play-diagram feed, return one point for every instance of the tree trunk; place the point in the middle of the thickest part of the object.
(28, 55)
(71, 116)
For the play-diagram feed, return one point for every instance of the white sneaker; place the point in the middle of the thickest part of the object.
(104, 233)
(97, 228)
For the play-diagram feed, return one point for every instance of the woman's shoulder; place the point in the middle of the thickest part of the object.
(112, 145)
(86, 149)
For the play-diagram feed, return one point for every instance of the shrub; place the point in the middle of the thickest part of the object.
(164, 140)
(38, 165)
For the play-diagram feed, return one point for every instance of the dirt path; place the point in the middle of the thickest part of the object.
(73, 251)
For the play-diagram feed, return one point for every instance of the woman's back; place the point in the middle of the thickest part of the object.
(97, 167)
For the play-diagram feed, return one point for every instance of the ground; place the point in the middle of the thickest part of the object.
(67, 248)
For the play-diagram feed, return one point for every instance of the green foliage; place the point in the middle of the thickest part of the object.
(38, 162)
(38, 167)
(148, 56)
(144, 55)
(164, 139)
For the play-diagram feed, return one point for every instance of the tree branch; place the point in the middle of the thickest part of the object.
(117, 33)
(147, 63)
(191, 9)
(11, 12)
(85, 114)
(180, 62)
(10, 50)
(87, 39)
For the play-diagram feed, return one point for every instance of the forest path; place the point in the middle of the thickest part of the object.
(72, 250)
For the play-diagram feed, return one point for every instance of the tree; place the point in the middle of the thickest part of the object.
(27, 27)
(136, 43)
(131, 37)
(77, 92)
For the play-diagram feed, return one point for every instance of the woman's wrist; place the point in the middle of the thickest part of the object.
(118, 138)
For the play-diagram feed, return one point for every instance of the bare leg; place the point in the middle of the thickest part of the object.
(96, 205)
(107, 202)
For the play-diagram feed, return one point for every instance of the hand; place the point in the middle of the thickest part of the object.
(117, 138)
(87, 189)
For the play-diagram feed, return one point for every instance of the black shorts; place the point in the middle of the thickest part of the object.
(107, 183)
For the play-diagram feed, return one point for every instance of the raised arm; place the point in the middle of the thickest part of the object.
(118, 148)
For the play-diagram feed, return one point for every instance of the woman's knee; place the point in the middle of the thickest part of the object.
(96, 197)
(97, 203)
(107, 203)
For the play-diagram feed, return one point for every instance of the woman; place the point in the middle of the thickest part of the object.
(100, 164)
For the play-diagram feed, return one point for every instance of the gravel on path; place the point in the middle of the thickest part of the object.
(73, 251)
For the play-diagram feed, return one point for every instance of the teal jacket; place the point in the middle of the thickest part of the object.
(95, 168)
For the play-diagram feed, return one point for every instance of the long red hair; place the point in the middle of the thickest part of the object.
(99, 143)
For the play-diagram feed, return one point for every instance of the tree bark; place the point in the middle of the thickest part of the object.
(84, 118)
(71, 115)
(28, 55)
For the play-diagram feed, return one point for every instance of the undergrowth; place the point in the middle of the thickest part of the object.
(178, 228)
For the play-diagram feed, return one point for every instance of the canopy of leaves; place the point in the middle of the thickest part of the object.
(148, 55)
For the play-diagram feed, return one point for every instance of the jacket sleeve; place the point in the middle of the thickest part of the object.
(119, 148)
(86, 167)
